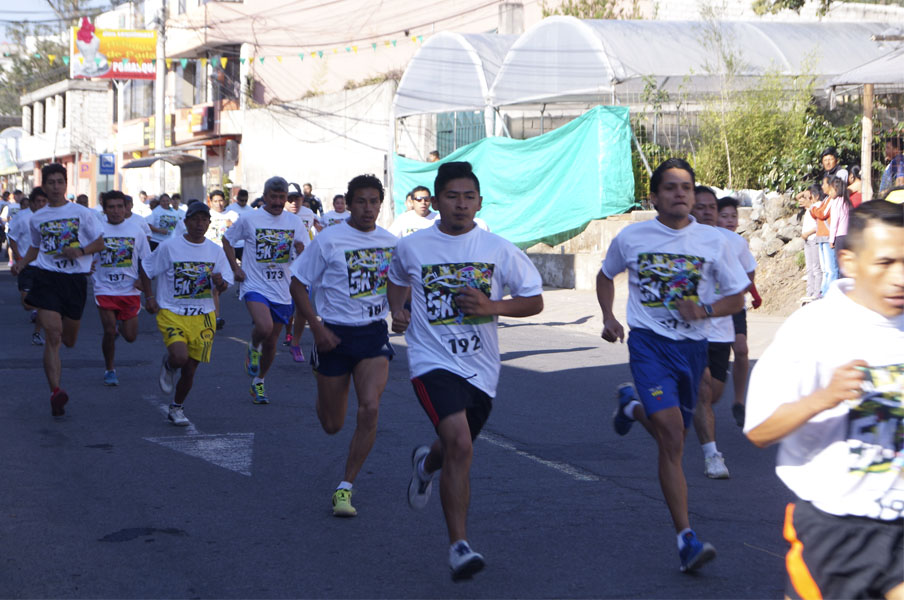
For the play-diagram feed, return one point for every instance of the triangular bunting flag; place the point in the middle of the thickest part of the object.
(262, 59)
(313, 55)
(81, 60)
(320, 53)
(374, 45)
(37, 55)
(125, 60)
(242, 60)
(183, 62)
(52, 57)
(154, 61)
(301, 56)
(386, 43)
(335, 50)
(203, 63)
(97, 60)
(169, 63)
(393, 43)
(355, 49)
(420, 38)
(279, 59)
(66, 60)
(223, 61)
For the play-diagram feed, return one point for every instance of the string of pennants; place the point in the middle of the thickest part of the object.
(224, 60)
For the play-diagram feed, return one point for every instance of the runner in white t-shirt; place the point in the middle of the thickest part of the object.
(241, 208)
(674, 265)
(162, 221)
(728, 221)
(295, 205)
(117, 268)
(187, 269)
(344, 269)
(133, 217)
(721, 336)
(64, 235)
(270, 234)
(833, 397)
(456, 274)
(419, 217)
(337, 215)
(19, 241)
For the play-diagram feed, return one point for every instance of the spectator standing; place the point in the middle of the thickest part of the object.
(894, 171)
(854, 187)
(809, 232)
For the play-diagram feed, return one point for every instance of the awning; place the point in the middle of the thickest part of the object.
(173, 159)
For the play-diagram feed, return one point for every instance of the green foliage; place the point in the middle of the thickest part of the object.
(762, 7)
(592, 9)
(800, 259)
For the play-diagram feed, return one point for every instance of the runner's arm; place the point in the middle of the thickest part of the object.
(325, 339)
(845, 385)
(25, 260)
(474, 302)
(605, 295)
(398, 295)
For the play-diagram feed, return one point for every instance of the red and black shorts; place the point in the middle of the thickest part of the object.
(841, 557)
(443, 393)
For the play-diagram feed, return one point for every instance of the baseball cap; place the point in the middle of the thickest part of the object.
(276, 184)
(195, 208)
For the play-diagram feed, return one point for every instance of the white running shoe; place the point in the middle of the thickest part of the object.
(177, 416)
(463, 561)
(167, 376)
(714, 467)
(419, 489)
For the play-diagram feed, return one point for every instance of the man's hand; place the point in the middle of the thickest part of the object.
(72, 252)
(400, 320)
(150, 305)
(474, 302)
(613, 330)
(324, 338)
(845, 384)
(690, 310)
(238, 274)
(17, 268)
(219, 282)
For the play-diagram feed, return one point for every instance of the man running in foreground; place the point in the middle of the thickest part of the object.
(674, 265)
(456, 273)
(345, 267)
(833, 397)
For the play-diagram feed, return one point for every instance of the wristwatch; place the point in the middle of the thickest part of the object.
(708, 309)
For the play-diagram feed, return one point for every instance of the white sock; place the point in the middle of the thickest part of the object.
(344, 485)
(709, 449)
(253, 347)
(681, 538)
(257, 380)
(628, 411)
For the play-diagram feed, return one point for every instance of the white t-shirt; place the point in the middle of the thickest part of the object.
(56, 227)
(307, 217)
(184, 272)
(666, 265)
(436, 265)
(409, 222)
(268, 242)
(847, 460)
(9, 211)
(18, 230)
(241, 211)
(164, 218)
(140, 208)
(116, 266)
(332, 218)
(219, 224)
(347, 269)
(141, 222)
(721, 329)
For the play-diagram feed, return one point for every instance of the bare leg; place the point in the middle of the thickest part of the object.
(108, 342)
(52, 324)
(740, 368)
(264, 333)
(455, 479)
(669, 432)
(370, 377)
(704, 419)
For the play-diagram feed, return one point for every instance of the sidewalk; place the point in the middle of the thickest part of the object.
(579, 311)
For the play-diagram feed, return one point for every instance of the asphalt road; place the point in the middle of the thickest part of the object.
(112, 501)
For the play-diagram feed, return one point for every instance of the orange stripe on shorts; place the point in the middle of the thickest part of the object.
(801, 579)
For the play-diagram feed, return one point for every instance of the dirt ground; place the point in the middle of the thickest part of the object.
(781, 285)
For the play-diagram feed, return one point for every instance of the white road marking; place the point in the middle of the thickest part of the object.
(575, 473)
(233, 451)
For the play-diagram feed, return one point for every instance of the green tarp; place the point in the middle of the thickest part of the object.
(547, 188)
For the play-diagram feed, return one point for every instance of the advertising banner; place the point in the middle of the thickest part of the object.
(112, 53)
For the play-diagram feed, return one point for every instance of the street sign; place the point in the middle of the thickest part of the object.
(107, 164)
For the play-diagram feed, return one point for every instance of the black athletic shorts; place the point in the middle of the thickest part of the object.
(740, 322)
(442, 393)
(63, 293)
(719, 352)
(26, 278)
(841, 557)
(239, 253)
(357, 343)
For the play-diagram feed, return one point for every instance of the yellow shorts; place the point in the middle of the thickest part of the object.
(196, 331)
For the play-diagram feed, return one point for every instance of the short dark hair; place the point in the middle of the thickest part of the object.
(670, 163)
(704, 189)
(176, 196)
(217, 193)
(338, 196)
(726, 201)
(112, 195)
(895, 141)
(877, 211)
(241, 192)
(855, 172)
(420, 188)
(830, 151)
(362, 182)
(38, 191)
(162, 196)
(52, 168)
(454, 170)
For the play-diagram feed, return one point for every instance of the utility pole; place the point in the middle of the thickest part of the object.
(159, 96)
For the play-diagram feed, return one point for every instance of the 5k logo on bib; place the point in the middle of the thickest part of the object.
(667, 278)
(59, 234)
(273, 245)
(117, 252)
(367, 271)
(443, 282)
(192, 280)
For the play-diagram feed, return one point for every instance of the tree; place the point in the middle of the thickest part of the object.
(761, 7)
(33, 44)
(592, 9)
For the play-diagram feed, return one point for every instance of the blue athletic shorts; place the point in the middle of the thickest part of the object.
(281, 313)
(356, 344)
(666, 372)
